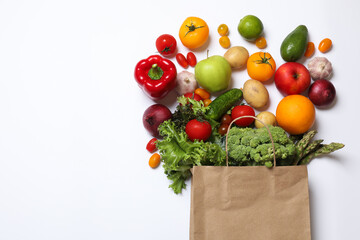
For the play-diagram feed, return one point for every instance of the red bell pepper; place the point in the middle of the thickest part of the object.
(156, 76)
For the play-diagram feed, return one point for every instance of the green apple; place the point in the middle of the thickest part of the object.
(213, 73)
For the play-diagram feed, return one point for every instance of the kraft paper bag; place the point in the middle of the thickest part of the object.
(249, 203)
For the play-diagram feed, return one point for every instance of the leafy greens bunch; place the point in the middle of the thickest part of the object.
(178, 153)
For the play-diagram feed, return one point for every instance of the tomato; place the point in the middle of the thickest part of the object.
(180, 58)
(202, 93)
(261, 66)
(154, 160)
(223, 30)
(207, 102)
(151, 145)
(191, 59)
(325, 45)
(223, 129)
(260, 42)
(194, 96)
(224, 41)
(310, 49)
(166, 44)
(193, 32)
(243, 110)
(200, 130)
(226, 118)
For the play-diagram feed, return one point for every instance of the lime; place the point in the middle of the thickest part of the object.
(250, 27)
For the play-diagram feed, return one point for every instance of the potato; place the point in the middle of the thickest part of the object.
(237, 56)
(255, 93)
(266, 117)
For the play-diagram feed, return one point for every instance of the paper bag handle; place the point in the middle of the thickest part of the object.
(227, 134)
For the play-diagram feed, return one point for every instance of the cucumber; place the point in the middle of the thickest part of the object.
(223, 103)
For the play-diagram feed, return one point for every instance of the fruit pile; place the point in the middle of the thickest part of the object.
(204, 118)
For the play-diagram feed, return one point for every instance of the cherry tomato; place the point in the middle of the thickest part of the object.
(260, 42)
(261, 66)
(200, 130)
(325, 45)
(310, 48)
(226, 119)
(207, 102)
(191, 59)
(202, 93)
(194, 32)
(166, 44)
(180, 58)
(194, 96)
(151, 145)
(154, 160)
(223, 30)
(243, 110)
(223, 129)
(224, 41)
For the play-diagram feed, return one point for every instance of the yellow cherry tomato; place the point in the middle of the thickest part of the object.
(325, 45)
(194, 32)
(260, 42)
(154, 160)
(261, 66)
(310, 48)
(224, 41)
(202, 93)
(223, 30)
(207, 102)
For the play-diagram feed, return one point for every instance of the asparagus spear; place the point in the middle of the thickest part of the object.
(302, 144)
(296, 138)
(305, 140)
(313, 146)
(324, 149)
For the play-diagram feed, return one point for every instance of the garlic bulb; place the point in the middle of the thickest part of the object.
(185, 82)
(320, 68)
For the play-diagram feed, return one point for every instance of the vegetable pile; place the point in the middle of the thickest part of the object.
(195, 133)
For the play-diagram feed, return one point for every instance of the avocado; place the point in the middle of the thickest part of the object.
(294, 45)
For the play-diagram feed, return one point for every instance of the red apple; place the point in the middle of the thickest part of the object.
(292, 78)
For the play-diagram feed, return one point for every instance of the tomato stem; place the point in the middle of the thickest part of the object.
(192, 28)
(167, 49)
(264, 60)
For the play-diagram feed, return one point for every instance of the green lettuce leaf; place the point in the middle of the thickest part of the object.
(179, 154)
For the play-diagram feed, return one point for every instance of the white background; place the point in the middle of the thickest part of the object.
(73, 163)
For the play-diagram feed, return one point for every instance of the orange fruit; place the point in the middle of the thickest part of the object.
(295, 114)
